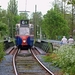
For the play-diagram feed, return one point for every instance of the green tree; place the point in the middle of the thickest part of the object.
(12, 7)
(72, 2)
(64, 7)
(23, 16)
(3, 29)
(54, 24)
(36, 19)
(3, 23)
(38, 16)
(12, 14)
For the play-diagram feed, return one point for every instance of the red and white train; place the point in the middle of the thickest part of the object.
(24, 37)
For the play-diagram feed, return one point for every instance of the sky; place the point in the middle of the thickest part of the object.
(42, 5)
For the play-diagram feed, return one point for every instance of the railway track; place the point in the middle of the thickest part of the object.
(26, 64)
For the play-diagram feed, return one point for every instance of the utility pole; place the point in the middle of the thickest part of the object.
(35, 25)
(26, 5)
(40, 34)
(8, 27)
(72, 20)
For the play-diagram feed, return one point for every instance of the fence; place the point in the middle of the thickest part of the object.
(8, 44)
(46, 46)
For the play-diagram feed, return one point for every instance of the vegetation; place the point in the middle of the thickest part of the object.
(2, 53)
(36, 19)
(12, 13)
(54, 24)
(64, 58)
(3, 29)
(57, 22)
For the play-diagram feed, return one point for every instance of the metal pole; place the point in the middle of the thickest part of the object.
(8, 27)
(12, 31)
(72, 21)
(40, 34)
(35, 32)
(25, 5)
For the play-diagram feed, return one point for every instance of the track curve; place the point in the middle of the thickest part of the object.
(26, 64)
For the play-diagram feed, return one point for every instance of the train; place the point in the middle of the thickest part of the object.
(24, 36)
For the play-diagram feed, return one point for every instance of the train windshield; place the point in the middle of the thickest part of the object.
(24, 31)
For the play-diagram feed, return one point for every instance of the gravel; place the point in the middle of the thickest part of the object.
(6, 67)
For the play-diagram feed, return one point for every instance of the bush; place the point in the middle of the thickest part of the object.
(1, 51)
(64, 58)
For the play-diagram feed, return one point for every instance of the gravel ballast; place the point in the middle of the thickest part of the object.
(6, 67)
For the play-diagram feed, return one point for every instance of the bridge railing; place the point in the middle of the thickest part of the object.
(48, 45)
(7, 44)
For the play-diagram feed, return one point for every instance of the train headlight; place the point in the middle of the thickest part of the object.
(24, 41)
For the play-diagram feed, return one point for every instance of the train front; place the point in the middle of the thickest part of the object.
(23, 38)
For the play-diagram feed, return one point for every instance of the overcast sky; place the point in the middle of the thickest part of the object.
(42, 5)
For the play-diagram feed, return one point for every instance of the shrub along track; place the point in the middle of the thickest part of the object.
(26, 64)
